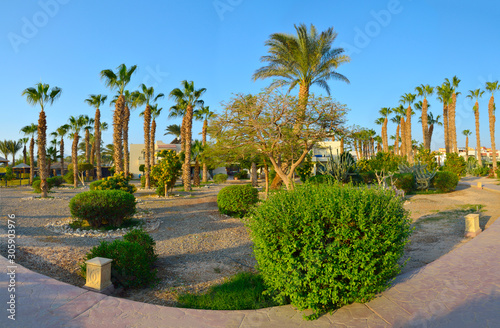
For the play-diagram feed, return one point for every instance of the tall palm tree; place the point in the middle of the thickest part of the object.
(96, 101)
(466, 133)
(155, 112)
(204, 114)
(4, 148)
(453, 84)
(173, 129)
(196, 152)
(147, 97)
(179, 110)
(42, 95)
(303, 60)
(385, 111)
(492, 87)
(76, 124)
(425, 91)
(190, 98)
(24, 142)
(444, 93)
(30, 131)
(88, 127)
(400, 110)
(119, 81)
(476, 94)
(52, 155)
(14, 146)
(408, 98)
(433, 121)
(396, 120)
(61, 132)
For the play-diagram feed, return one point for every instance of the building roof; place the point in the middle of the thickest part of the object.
(3, 160)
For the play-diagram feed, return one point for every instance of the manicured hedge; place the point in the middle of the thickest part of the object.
(237, 200)
(445, 181)
(324, 246)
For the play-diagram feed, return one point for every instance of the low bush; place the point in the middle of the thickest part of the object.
(315, 179)
(455, 163)
(37, 185)
(220, 178)
(116, 182)
(368, 177)
(237, 200)
(95, 185)
(144, 239)
(382, 161)
(404, 181)
(35, 179)
(480, 171)
(445, 181)
(132, 265)
(242, 175)
(56, 181)
(324, 246)
(100, 207)
(68, 177)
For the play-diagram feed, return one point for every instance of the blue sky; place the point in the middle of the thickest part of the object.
(394, 47)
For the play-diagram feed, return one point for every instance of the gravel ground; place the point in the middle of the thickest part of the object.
(197, 246)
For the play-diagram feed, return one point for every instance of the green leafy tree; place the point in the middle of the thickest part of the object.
(167, 170)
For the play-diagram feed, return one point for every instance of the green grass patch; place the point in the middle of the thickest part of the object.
(84, 225)
(241, 292)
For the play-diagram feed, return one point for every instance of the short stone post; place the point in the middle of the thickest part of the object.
(480, 185)
(99, 274)
(472, 225)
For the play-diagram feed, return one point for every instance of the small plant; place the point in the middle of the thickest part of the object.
(116, 182)
(220, 178)
(342, 168)
(100, 207)
(132, 265)
(324, 246)
(445, 181)
(237, 200)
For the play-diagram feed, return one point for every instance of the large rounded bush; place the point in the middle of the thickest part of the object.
(116, 182)
(220, 178)
(132, 264)
(445, 181)
(99, 207)
(324, 246)
(237, 200)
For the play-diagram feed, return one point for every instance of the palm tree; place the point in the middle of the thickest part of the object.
(14, 147)
(408, 98)
(444, 93)
(174, 129)
(24, 142)
(96, 101)
(119, 81)
(424, 91)
(147, 97)
(190, 98)
(492, 87)
(107, 153)
(476, 94)
(41, 95)
(88, 126)
(431, 120)
(466, 133)
(179, 110)
(205, 114)
(76, 124)
(400, 110)
(155, 112)
(61, 132)
(303, 60)
(396, 120)
(453, 84)
(30, 131)
(385, 111)
(196, 152)
(52, 153)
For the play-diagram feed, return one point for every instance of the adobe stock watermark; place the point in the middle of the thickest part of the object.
(155, 75)
(381, 18)
(223, 6)
(30, 27)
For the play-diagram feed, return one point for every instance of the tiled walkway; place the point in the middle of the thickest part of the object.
(460, 289)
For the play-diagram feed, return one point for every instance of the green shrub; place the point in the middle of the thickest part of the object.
(315, 179)
(57, 181)
(480, 171)
(220, 178)
(237, 200)
(116, 182)
(455, 163)
(382, 161)
(445, 181)
(142, 238)
(68, 177)
(37, 188)
(131, 267)
(424, 156)
(368, 177)
(35, 179)
(100, 207)
(95, 185)
(325, 246)
(272, 174)
(141, 167)
(404, 181)
(305, 169)
(242, 175)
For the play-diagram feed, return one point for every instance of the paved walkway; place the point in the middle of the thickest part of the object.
(488, 183)
(460, 289)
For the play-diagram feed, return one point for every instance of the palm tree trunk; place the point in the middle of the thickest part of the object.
(341, 145)
(152, 143)
(478, 141)
(446, 128)
(385, 141)
(61, 150)
(42, 159)
(147, 146)
(196, 175)
(492, 119)
(409, 143)
(97, 142)
(126, 156)
(452, 126)
(431, 130)
(87, 150)
(74, 159)
(303, 99)
(24, 154)
(403, 136)
(117, 134)
(466, 148)
(396, 142)
(425, 127)
(204, 142)
(32, 159)
(186, 173)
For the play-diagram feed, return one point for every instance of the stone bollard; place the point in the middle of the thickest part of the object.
(99, 275)
(472, 225)
(480, 185)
